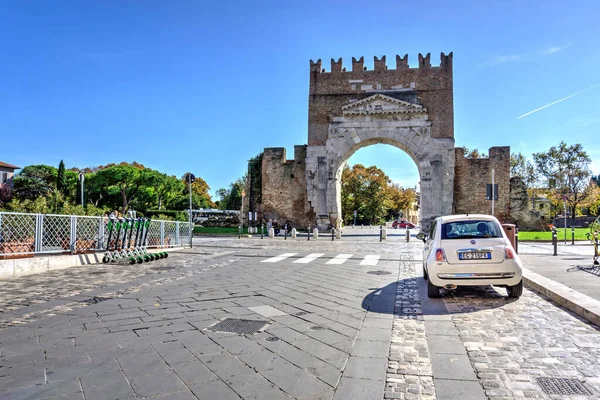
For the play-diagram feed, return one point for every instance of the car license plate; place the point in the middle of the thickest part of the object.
(480, 255)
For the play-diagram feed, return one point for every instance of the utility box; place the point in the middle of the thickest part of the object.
(511, 233)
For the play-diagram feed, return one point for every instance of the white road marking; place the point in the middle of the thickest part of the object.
(339, 259)
(309, 258)
(370, 259)
(279, 258)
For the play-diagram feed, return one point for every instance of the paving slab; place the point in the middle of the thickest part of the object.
(344, 333)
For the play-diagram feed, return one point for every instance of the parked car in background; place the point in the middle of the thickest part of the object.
(469, 250)
(402, 224)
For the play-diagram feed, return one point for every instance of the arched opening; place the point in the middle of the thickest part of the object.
(378, 183)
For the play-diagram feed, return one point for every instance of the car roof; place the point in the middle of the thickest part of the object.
(463, 217)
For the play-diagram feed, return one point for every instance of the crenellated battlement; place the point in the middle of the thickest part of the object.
(379, 64)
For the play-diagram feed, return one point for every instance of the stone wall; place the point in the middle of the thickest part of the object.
(410, 108)
(284, 186)
(471, 177)
(521, 213)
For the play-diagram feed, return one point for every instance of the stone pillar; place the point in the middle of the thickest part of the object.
(272, 232)
(294, 233)
(315, 233)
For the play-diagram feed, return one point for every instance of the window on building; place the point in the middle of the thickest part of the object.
(3, 177)
(541, 206)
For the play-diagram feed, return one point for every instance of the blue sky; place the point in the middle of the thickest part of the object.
(204, 86)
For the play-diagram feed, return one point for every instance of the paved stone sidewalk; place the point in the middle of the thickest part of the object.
(154, 342)
(351, 330)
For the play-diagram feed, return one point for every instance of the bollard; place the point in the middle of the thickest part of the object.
(240, 232)
(380, 233)
(554, 241)
(285, 233)
(294, 233)
(316, 233)
(572, 235)
(517, 240)
(308, 232)
(407, 234)
(332, 234)
(262, 230)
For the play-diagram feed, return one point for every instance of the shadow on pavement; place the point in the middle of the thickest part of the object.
(382, 300)
(590, 269)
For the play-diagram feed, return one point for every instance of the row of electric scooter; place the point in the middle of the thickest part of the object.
(130, 242)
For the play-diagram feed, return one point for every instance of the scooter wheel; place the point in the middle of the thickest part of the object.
(139, 260)
(105, 259)
(131, 260)
(166, 255)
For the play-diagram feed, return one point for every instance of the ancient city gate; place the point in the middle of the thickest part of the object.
(410, 108)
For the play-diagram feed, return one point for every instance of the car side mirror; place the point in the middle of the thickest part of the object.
(421, 236)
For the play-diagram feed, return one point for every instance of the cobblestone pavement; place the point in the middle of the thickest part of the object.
(346, 320)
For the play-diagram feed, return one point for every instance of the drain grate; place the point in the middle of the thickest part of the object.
(563, 386)
(241, 326)
(379, 273)
(272, 339)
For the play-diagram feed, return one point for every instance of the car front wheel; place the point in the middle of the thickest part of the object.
(432, 290)
(514, 292)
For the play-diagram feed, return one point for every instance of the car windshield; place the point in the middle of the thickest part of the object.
(470, 229)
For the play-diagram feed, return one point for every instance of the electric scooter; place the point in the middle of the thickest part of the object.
(115, 254)
(111, 226)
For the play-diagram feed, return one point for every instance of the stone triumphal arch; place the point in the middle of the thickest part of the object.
(409, 108)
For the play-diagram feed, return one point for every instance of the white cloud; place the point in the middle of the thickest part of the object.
(502, 59)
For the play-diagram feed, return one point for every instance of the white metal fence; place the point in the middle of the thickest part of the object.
(22, 233)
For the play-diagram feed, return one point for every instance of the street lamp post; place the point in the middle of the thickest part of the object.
(81, 179)
(190, 178)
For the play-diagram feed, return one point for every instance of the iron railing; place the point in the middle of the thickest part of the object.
(22, 233)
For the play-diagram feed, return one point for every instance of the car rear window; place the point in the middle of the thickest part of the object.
(470, 229)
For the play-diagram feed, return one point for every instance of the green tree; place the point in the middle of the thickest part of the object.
(255, 175)
(566, 172)
(126, 178)
(61, 179)
(35, 181)
(366, 191)
(473, 153)
(524, 169)
(231, 198)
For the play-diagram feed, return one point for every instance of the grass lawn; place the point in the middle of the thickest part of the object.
(219, 231)
(547, 236)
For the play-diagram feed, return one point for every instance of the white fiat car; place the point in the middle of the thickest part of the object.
(469, 250)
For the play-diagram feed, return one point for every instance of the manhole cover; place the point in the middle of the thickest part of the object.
(301, 313)
(379, 273)
(241, 326)
(272, 339)
(162, 268)
(563, 386)
(317, 328)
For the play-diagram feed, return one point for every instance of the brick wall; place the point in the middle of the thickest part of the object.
(471, 177)
(431, 86)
